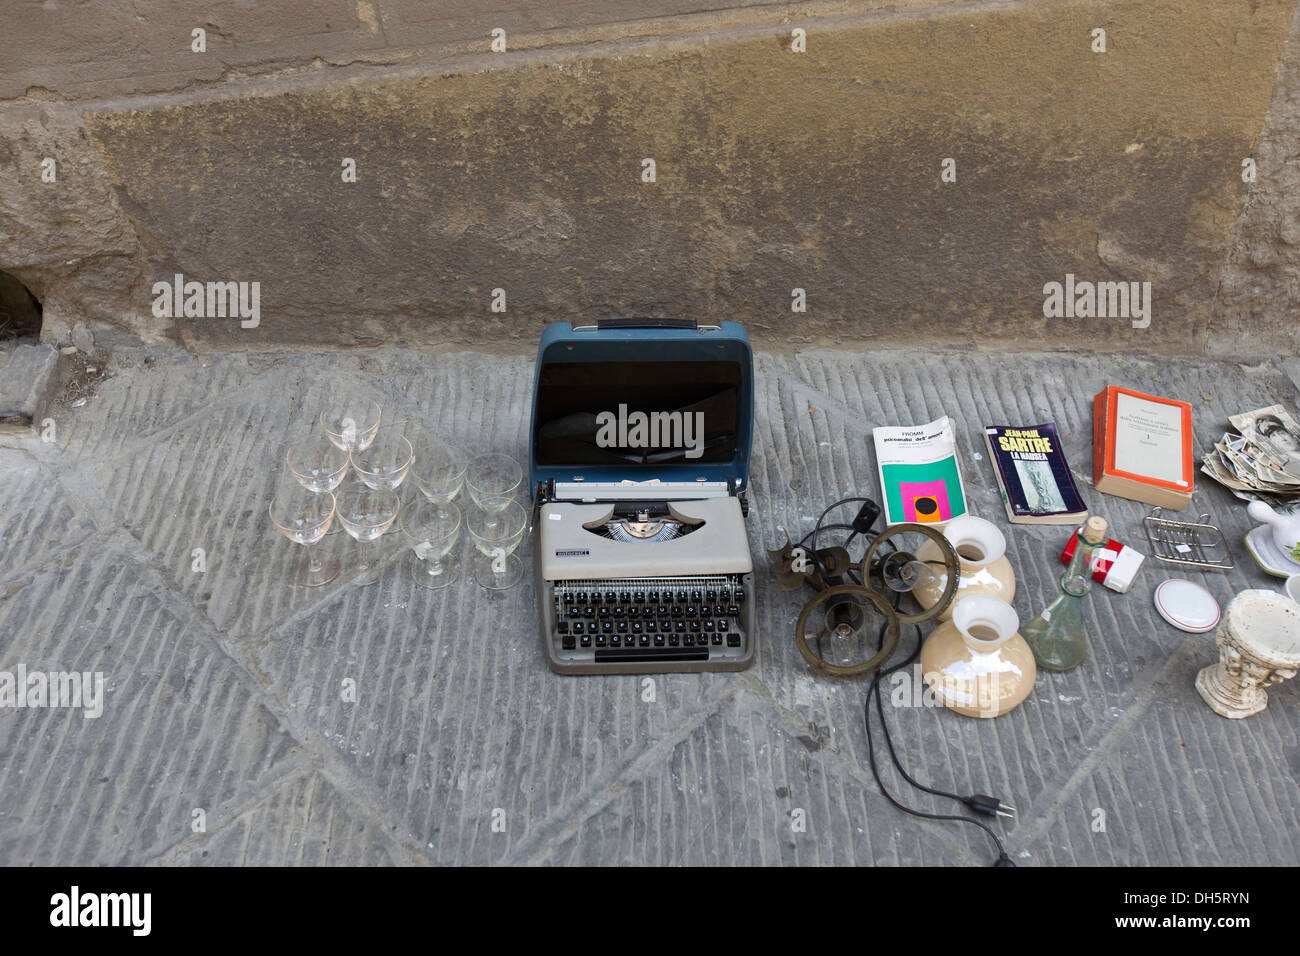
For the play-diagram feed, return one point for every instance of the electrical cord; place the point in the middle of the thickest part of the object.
(818, 529)
(979, 803)
(826, 527)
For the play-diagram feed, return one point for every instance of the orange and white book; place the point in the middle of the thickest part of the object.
(1142, 447)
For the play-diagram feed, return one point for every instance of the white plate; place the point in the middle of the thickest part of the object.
(1187, 606)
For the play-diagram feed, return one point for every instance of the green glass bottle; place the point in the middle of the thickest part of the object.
(1058, 636)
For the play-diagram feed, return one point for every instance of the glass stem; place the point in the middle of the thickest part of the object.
(313, 557)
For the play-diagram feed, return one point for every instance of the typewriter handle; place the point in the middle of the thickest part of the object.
(647, 323)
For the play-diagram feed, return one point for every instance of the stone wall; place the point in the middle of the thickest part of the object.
(775, 170)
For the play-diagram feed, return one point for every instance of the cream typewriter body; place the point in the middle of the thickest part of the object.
(642, 558)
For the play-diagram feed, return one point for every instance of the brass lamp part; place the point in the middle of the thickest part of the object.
(841, 593)
(951, 563)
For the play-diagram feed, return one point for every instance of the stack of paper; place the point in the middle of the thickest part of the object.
(1262, 462)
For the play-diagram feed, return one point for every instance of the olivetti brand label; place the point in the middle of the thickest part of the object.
(572, 553)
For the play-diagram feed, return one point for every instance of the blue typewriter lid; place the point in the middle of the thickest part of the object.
(590, 382)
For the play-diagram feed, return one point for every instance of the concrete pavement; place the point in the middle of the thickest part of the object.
(226, 736)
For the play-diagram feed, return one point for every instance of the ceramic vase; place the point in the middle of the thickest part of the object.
(982, 550)
(977, 663)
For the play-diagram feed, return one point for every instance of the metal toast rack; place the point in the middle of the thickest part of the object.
(1188, 544)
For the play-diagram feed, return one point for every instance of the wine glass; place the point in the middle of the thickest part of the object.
(303, 517)
(383, 464)
(496, 534)
(431, 529)
(317, 463)
(439, 469)
(351, 422)
(493, 481)
(366, 513)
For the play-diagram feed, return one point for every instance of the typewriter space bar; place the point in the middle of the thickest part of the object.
(634, 654)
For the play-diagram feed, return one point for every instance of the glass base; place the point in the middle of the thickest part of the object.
(363, 576)
(436, 575)
(1058, 663)
(1058, 636)
(511, 574)
(1053, 652)
(305, 576)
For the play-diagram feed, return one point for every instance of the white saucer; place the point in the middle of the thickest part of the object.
(1187, 606)
(1269, 557)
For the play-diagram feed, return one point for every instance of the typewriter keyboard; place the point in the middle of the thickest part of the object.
(650, 619)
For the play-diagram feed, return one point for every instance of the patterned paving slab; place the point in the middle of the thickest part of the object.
(179, 729)
(303, 822)
(391, 724)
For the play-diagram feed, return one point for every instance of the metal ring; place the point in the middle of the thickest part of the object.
(951, 563)
(854, 670)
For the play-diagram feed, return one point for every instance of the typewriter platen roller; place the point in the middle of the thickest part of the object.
(643, 539)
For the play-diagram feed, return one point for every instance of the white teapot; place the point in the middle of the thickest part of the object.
(1285, 528)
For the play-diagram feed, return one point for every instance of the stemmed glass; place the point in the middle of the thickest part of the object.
(317, 463)
(351, 422)
(431, 530)
(439, 469)
(303, 517)
(493, 481)
(383, 464)
(496, 534)
(366, 513)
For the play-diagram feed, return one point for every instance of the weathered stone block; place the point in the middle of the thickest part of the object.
(26, 373)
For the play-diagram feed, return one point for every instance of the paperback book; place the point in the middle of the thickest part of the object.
(920, 479)
(1142, 447)
(1033, 475)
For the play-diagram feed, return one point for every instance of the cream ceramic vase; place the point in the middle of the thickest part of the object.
(977, 663)
(982, 550)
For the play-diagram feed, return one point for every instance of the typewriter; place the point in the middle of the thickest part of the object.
(639, 455)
